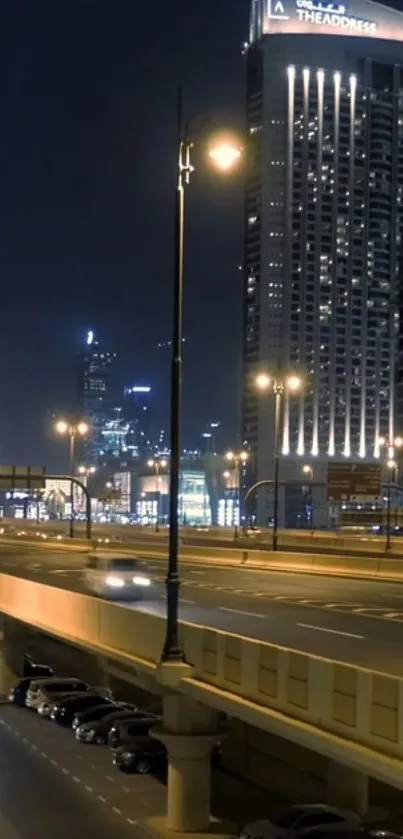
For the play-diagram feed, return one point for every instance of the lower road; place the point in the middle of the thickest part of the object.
(360, 622)
(51, 786)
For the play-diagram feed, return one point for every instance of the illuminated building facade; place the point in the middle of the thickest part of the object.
(96, 394)
(324, 224)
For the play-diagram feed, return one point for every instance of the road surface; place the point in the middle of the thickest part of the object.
(360, 622)
(51, 786)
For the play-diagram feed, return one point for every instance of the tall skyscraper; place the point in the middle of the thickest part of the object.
(97, 393)
(324, 225)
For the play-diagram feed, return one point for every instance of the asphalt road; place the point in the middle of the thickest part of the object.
(51, 786)
(360, 622)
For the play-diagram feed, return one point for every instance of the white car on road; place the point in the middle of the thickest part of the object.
(289, 823)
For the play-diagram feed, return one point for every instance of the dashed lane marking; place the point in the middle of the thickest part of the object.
(88, 789)
(101, 798)
(239, 612)
(331, 631)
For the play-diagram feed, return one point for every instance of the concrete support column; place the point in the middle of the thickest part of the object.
(189, 732)
(347, 788)
(7, 676)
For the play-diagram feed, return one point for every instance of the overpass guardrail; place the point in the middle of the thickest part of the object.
(317, 541)
(371, 568)
(349, 714)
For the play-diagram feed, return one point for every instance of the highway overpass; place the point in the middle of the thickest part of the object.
(347, 713)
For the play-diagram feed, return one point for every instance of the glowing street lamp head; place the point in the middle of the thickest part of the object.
(226, 475)
(244, 456)
(263, 381)
(293, 383)
(230, 456)
(225, 154)
(82, 428)
(62, 427)
(150, 463)
(391, 464)
(307, 470)
(163, 463)
(398, 442)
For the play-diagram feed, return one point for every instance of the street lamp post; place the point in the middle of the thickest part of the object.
(224, 156)
(86, 471)
(391, 444)
(73, 430)
(157, 465)
(308, 470)
(279, 385)
(238, 459)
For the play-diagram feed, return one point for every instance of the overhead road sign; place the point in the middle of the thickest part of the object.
(22, 477)
(348, 481)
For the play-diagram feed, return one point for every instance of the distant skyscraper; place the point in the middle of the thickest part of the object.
(324, 226)
(138, 412)
(97, 387)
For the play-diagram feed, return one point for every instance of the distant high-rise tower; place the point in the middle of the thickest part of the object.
(324, 227)
(97, 389)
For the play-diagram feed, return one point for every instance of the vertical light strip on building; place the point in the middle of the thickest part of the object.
(332, 354)
(348, 299)
(365, 411)
(320, 75)
(392, 258)
(302, 297)
(287, 256)
(377, 393)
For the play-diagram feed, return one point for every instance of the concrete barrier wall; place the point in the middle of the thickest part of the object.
(320, 704)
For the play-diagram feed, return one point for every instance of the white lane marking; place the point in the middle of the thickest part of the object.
(126, 789)
(66, 771)
(89, 789)
(239, 612)
(117, 811)
(393, 615)
(76, 780)
(109, 778)
(54, 762)
(101, 798)
(131, 821)
(199, 573)
(189, 602)
(331, 631)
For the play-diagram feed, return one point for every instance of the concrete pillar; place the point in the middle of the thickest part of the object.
(189, 732)
(347, 788)
(7, 676)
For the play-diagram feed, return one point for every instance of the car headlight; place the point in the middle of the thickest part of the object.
(114, 582)
(141, 581)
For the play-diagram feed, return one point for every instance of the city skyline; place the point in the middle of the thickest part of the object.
(87, 209)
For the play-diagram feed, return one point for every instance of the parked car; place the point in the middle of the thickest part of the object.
(291, 821)
(97, 732)
(144, 755)
(34, 670)
(91, 715)
(18, 693)
(63, 710)
(117, 576)
(46, 707)
(46, 690)
(124, 730)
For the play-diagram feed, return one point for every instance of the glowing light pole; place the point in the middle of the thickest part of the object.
(72, 430)
(391, 445)
(279, 385)
(157, 465)
(238, 459)
(308, 470)
(224, 154)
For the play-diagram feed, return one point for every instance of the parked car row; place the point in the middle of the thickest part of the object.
(95, 717)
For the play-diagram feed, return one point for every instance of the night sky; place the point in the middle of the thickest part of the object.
(87, 152)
